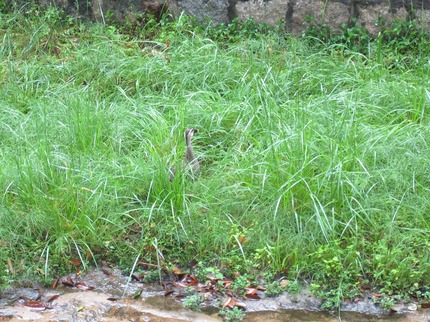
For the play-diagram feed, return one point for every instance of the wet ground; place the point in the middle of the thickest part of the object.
(108, 297)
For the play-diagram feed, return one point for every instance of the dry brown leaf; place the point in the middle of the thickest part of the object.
(253, 296)
(232, 303)
(176, 271)
(226, 302)
(84, 286)
(68, 281)
(55, 282)
(240, 305)
(251, 293)
(242, 239)
(35, 305)
(53, 297)
(106, 271)
(168, 293)
(75, 262)
(227, 283)
(250, 290)
(138, 277)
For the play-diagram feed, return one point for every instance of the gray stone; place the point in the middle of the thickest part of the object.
(294, 13)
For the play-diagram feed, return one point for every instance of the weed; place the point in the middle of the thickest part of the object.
(232, 315)
(274, 288)
(239, 284)
(152, 276)
(293, 287)
(193, 302)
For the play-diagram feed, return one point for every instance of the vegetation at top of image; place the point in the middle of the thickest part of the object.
(313, 151)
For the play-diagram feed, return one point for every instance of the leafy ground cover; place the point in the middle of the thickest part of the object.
(314, 151)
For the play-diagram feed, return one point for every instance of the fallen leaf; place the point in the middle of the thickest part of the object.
(250, 290)
(227, 283)
(168, 293)
(53, 297)
(113, 299)
(226, 302)
(240, 305)
(68, 282)
(147, 264)
(425, 305)
(138, 277)
(176, 271)
(84, 286)
(55, 282)
(75, 262)
(253, 296)
(106, 271)
(35, 305)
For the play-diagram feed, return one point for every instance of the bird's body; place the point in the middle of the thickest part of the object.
(190, 160)
(189, 157)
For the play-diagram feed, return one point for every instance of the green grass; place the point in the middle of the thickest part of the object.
(315, 162)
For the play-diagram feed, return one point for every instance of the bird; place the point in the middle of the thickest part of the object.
(190, 160)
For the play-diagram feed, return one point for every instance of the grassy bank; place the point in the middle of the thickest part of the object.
(315, 157)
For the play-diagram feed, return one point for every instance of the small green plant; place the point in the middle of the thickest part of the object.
(232, 315)
(194, 302)
(203, 272)
(239, 285)
(384, 301)
(274, 288)
(293, 287)
(152, 276)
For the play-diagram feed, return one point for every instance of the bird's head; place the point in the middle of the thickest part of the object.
(190, 132)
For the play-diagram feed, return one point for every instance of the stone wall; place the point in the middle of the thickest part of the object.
(293, 12)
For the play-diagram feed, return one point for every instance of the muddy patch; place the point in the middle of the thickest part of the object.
(112, 297)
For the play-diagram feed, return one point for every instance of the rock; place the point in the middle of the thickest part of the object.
(295, 13)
